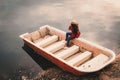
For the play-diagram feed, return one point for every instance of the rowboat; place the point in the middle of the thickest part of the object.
(80, 58)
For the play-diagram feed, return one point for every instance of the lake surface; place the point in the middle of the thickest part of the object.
(99, 22)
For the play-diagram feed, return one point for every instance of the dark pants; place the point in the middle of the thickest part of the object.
(68, 38)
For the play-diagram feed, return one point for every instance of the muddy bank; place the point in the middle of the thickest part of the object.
(111, 72)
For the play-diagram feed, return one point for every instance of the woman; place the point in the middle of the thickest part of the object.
(74, 32)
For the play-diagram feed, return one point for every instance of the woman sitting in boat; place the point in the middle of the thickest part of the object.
(74, 32)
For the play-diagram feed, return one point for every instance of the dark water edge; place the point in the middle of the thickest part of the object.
(44, 63)
(99, 22)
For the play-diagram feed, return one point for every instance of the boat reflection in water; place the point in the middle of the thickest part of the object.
(44, 63)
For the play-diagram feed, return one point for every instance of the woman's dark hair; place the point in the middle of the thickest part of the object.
(75, 28)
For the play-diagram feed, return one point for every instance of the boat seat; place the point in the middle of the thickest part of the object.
(94, 63)
(80, 58)
(40, 39)
(47, 41)
(35, 35)
(55, 46)
(68, 52)
(43, 31)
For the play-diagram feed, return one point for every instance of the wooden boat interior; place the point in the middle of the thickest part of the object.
(79, 55)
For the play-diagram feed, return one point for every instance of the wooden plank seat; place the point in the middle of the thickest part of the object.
(40, 39)
(94, 63)
(47, 41)
(81, 58)
(68, 52)
(37, 36)
(55, 46)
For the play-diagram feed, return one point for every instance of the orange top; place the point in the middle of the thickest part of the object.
(73, 35)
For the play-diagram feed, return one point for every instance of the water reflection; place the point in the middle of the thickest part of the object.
(99, 22)
(44, 63)
(101, 16)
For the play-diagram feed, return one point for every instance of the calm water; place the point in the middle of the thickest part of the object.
(99, 22)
